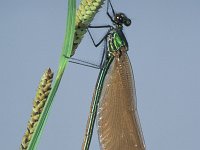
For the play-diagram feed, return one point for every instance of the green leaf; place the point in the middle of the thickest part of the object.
(66, 51)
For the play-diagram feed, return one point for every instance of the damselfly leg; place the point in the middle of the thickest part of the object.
(107, 11)
(88, 64)
(82, 62)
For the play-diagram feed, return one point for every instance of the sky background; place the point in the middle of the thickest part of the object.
(164, 42)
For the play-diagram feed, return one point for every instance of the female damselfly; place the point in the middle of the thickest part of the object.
(115, 97)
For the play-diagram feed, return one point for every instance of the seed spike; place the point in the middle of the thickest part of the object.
(84, 15)
(38, 105)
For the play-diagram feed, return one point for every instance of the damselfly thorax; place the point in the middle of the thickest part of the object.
(116, 43)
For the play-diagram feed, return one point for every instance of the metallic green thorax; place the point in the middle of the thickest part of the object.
(116, 40)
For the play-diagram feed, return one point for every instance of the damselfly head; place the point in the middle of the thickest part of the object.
(120, 19)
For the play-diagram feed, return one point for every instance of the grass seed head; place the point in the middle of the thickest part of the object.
(38, 105)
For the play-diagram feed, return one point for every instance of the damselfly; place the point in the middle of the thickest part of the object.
(115, 96)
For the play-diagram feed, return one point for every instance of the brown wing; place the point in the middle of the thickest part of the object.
(118, 122)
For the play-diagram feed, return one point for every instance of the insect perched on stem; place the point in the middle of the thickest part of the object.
(115, 97)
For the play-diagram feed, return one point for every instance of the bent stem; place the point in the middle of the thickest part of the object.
(73, 36)
(66, 51)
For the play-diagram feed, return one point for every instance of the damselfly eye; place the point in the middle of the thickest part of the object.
(127, 22)
(122, 15)
(118, 19)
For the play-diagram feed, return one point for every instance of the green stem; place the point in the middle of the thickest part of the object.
(66, 51)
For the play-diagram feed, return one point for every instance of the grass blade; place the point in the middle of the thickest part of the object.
(66, 51)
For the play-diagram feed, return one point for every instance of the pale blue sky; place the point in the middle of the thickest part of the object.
(164, 42)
